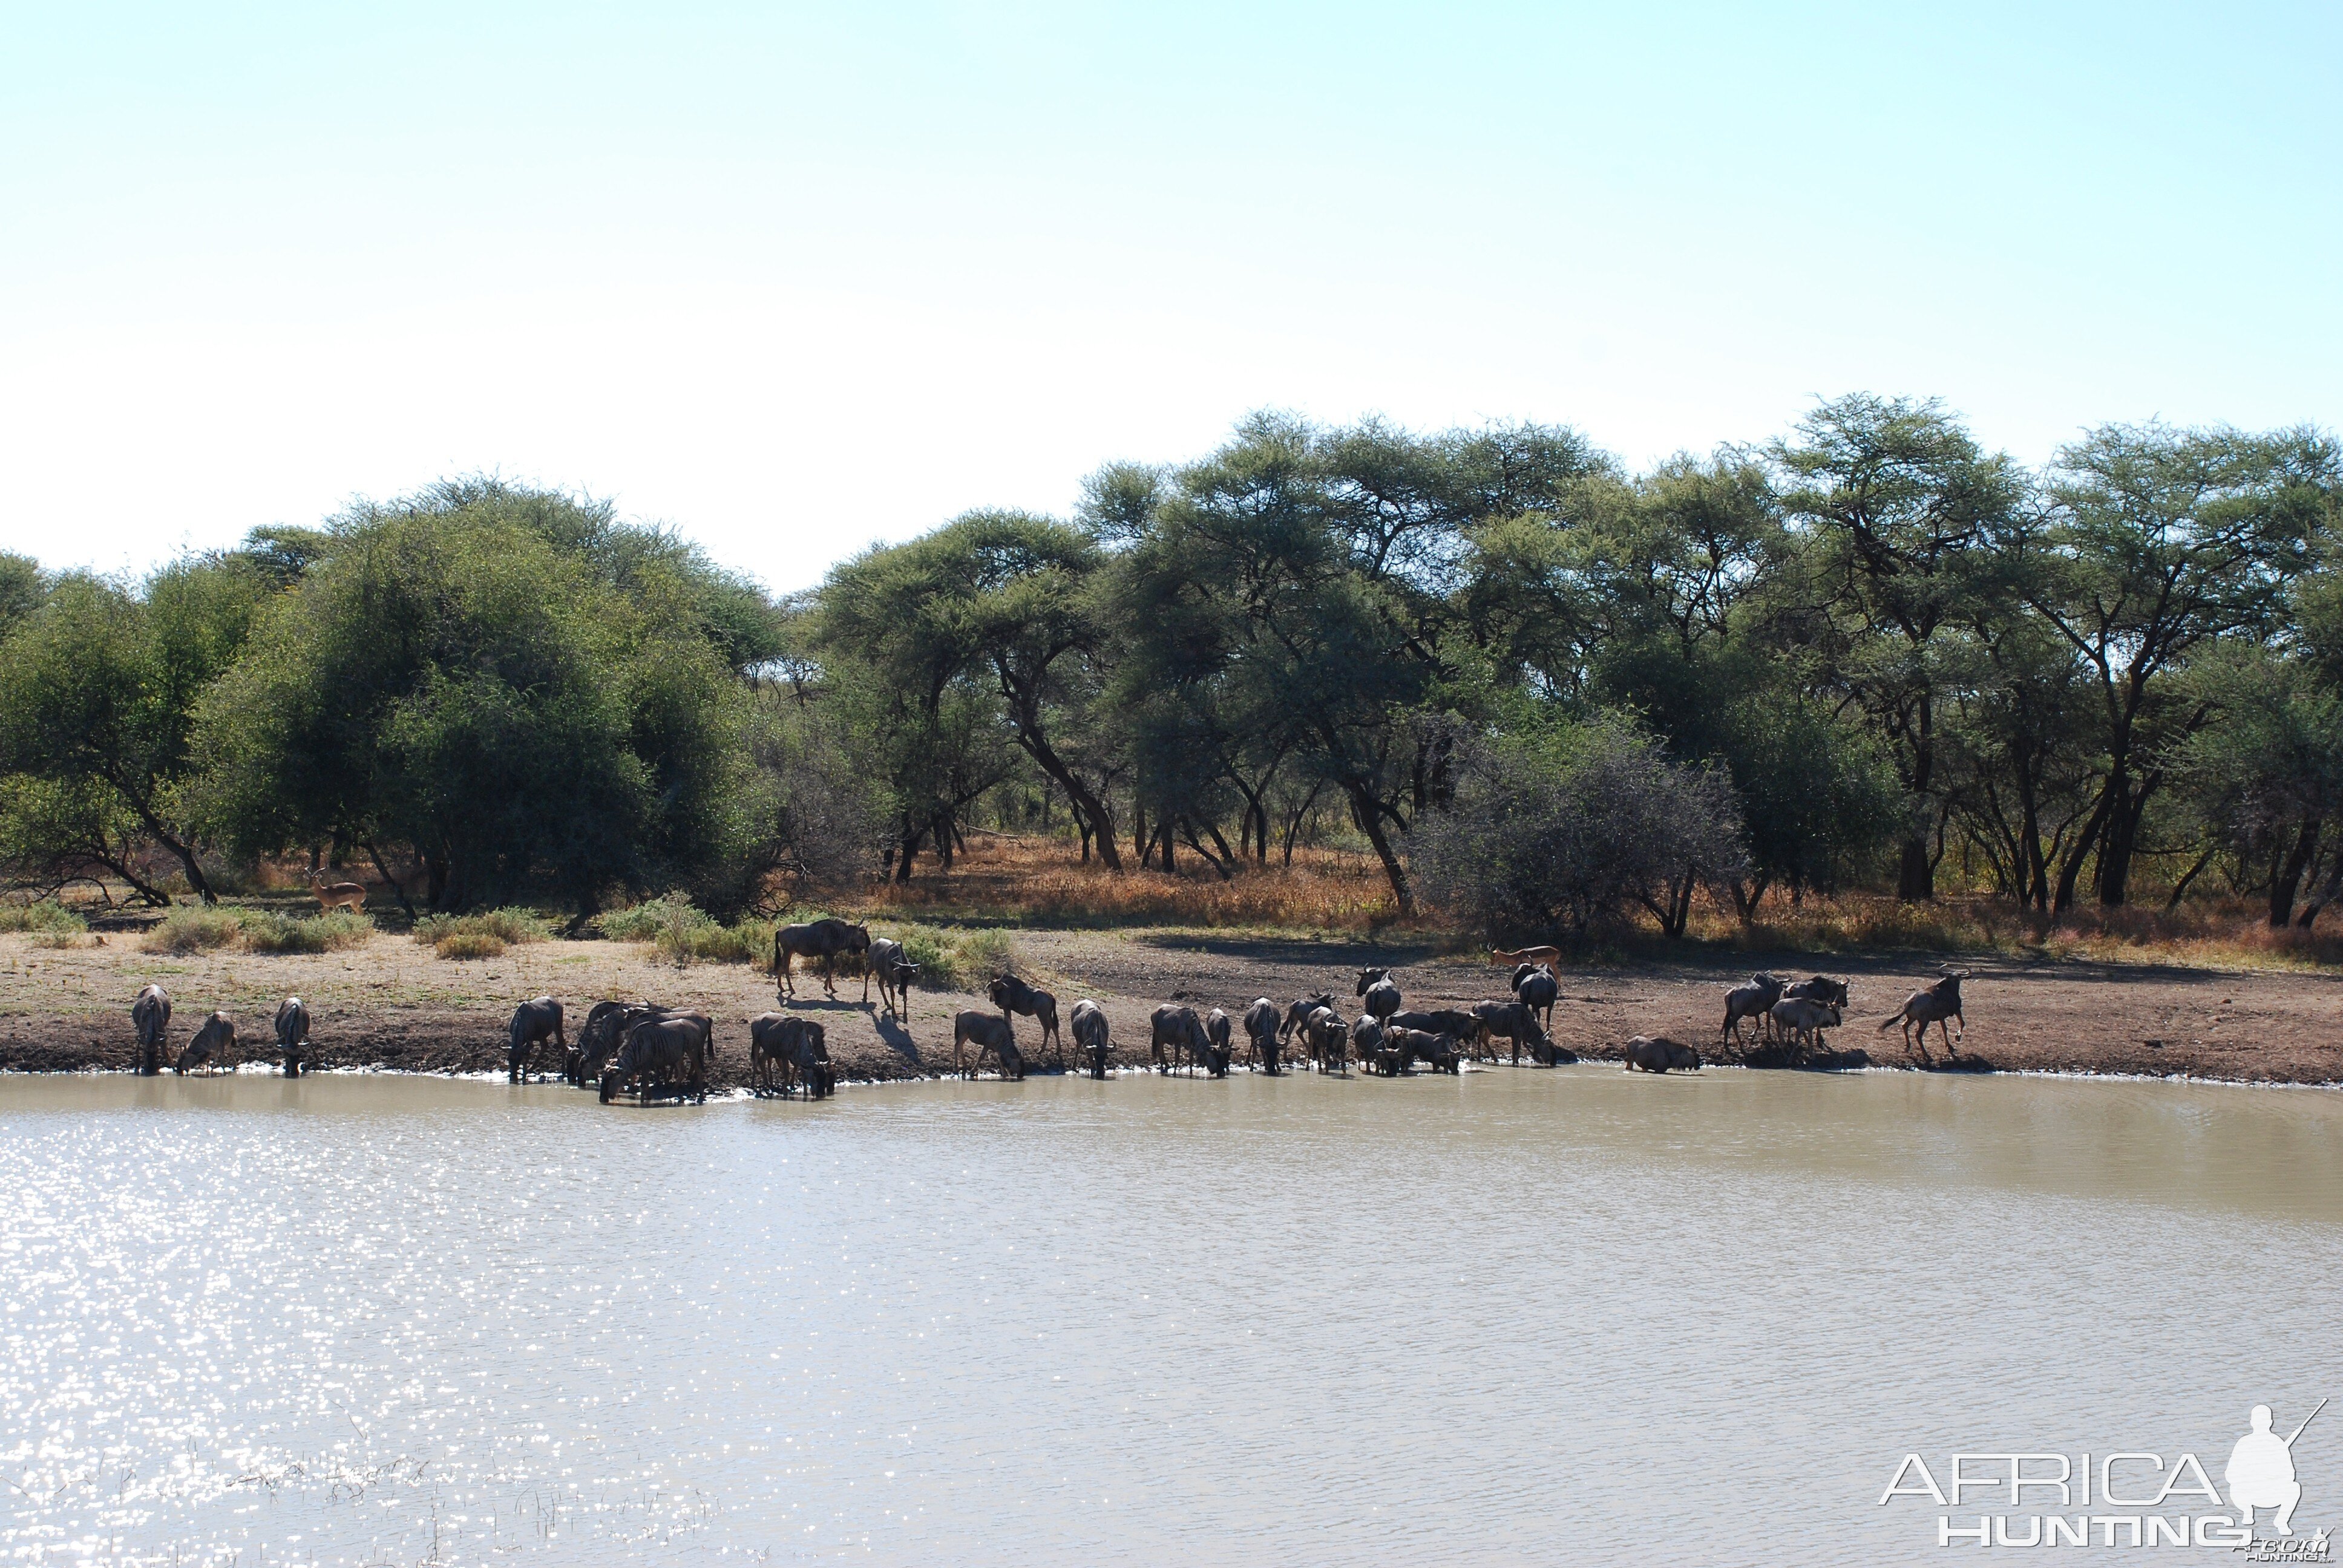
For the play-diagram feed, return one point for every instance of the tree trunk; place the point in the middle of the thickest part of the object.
(2289, 876)
(1916, 881)
(397, 890)
(2327, 894)
(2180, 887)
(2071, 868)
(1369, 815)
(2117, 842)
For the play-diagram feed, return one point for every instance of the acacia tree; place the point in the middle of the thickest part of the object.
(98, 692)
(2158, 543)
(1897, 499)
(1000, 598)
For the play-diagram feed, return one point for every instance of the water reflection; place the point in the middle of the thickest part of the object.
(1565, 1317)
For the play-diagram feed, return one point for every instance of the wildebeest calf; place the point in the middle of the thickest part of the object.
(214, 1044)
(992, 1036)
(1436, 1052)
(1801, 1021)
(292, 1033)
(150, 1015)
(531, 1021)
(1093, 1037)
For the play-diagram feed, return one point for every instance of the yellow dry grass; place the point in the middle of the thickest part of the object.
(1042, 881)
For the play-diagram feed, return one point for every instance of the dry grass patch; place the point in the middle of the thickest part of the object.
(462, 945)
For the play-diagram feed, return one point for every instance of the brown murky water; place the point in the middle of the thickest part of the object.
(1569, 1317)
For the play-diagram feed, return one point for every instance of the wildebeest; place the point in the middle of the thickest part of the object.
(823, 939)
(1465, 1026)
(150, 1015)
(1261, 1029)
(1938, 1002)
(1092, 1037)
(1436, 1052)
(214, 1044)
(1750, 1001)
(292, 1033)
(1538, 991)
(1513, 1022)
(895, 972)
(1330, 1040)
(1297, 1014)
(666, 1052)
(991, 1035)
(1801, 1020)
(1011, 994)
(1366, 1037)
(1822, 987)
(1216, 1030)
(605, 1026)
(789, 1052)
(1379, 996)
(1178, 1039)
(1649, 1053)
(1503, 959)
(532, 1022)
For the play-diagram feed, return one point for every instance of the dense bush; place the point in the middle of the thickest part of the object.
(506, 925)
(43, 915)
(1566, 832)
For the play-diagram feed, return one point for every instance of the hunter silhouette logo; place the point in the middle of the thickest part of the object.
(2261, 1471)
(2123, 1497)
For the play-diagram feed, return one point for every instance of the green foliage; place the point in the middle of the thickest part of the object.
(265, 931)
(466, 945)
(955, 957)
(525, 691)
(510, 925)
(195, 929)
(41, 915)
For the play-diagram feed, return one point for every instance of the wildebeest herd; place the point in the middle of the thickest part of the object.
(651, 1051)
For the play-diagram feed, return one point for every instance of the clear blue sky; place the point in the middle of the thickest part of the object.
(795, 278)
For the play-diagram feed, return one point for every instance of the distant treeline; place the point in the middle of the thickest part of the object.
(1544, 690)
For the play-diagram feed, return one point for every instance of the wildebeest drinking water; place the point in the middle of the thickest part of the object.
(1330, 1040)
(150, 1015)
(1092, 1037)
(1261, 1029)
(788, 1052)
(1178, 1038)
(1470, 1031)
(1012, 995)
(606, 1025)
(533, 1021)
(292, 1033)
(662, 1055)
(992, 1036)
(211, 1048)
(1512, 1021)
(824, 939)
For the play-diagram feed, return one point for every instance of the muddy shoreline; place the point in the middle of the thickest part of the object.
(388, 1007)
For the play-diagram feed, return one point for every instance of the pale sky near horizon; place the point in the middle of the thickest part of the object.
(795, 278)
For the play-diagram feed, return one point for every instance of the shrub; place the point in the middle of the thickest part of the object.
(195, 929)
(469, 945)
(956, 958)
(1563, 832)
(268, 932)
(508, 926)
(47, 915)
(644, 921)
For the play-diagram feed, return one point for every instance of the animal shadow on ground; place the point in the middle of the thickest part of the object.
(895, 1037)
(821, 1004)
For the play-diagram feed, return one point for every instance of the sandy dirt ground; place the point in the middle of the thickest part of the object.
(390, 1004)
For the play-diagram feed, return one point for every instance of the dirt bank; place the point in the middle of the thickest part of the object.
(390, 1004)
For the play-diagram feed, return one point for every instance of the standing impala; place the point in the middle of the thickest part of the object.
(350, 896)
